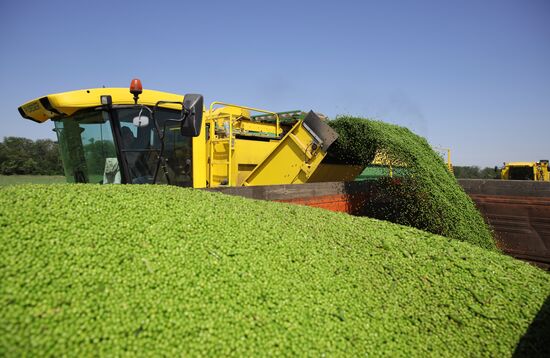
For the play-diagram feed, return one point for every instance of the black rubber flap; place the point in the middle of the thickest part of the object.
(321, 129)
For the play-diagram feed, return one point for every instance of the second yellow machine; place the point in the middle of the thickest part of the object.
(537, 171)
(112, 135)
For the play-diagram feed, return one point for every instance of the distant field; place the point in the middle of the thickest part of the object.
(31, 179)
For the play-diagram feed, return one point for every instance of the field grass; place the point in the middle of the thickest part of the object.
(127, 270)
(31, 179)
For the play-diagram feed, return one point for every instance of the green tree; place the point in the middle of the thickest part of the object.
(25, 156)
(475, 172)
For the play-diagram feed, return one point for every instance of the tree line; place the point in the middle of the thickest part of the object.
(22, 156)
(474, 172)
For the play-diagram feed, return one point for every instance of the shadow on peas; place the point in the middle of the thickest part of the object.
(536, 341)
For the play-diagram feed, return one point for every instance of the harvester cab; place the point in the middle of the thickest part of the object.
(112, 135)
(109, 140)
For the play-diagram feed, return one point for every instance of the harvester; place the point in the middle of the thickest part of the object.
(112, 135)
(537, 171)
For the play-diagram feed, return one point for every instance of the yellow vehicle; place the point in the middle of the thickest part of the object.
(112, 135)
(537, 171)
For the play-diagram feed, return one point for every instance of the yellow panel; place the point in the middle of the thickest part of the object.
(34, 110)
(252, 151)
(67, 103)
(292, 161)
(247, 155)
(199, 159)
(521, 164)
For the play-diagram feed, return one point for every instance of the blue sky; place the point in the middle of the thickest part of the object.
(470, 75)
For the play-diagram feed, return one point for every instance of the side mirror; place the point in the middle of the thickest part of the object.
(192, 114)
(141, 121)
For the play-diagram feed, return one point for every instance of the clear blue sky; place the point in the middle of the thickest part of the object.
(470, 75)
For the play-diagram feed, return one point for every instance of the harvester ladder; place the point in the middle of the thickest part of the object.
(217, 137)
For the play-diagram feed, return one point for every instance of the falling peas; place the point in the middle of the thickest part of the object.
(424, 194)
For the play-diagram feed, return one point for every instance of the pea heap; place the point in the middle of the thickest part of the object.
(158, 270)
(425, 195)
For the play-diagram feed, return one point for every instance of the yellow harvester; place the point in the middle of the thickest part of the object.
(112, 135)
(537, 171)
